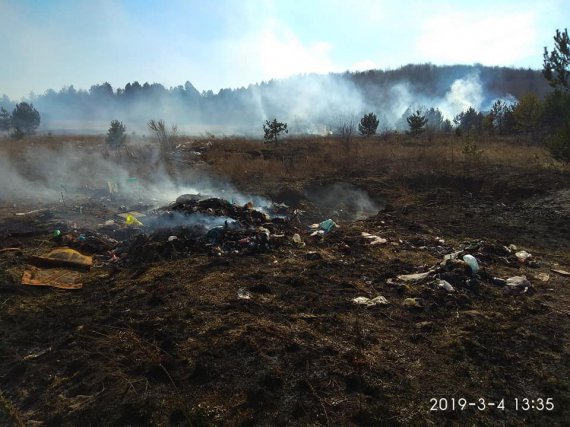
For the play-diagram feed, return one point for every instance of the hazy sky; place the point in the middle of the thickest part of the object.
(232, 43)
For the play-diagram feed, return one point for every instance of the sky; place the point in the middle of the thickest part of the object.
(233, 43)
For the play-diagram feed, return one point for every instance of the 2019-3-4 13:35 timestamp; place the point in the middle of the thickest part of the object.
(481, 404)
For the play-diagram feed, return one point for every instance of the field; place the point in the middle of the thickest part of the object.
(188, 332)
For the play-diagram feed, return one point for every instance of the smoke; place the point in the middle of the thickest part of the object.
(343, 200)
(74, 172)
(463, 93)
(198, 221)
(308, 103)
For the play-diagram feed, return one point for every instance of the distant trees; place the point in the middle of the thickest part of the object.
(5, 120)
(25, 119)
(556, 107)
(368, 125)
(528, 114)
(116, 135)
(434, 119)
(273, 129)
(417, 123)
(501, 118)
(469, 121)
(101, 91)
(446, 126)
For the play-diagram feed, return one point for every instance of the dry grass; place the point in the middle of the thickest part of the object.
(394, 156)
(243, 161)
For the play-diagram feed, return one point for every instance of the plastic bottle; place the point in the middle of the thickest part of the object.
(472, 262)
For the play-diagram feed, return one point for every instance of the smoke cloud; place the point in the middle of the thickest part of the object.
(75, 173)
(310, 103)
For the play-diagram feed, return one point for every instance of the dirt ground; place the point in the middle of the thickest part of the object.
(273, 336)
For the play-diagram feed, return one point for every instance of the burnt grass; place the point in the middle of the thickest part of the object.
(170, 342)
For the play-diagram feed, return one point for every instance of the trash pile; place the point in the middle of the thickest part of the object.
(191, 224)
(213, 225)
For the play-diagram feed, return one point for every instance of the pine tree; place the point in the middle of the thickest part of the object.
(557, 63)
(417, 123)
(25, 118)
(116, 135)
(368, 125)
(273, 129)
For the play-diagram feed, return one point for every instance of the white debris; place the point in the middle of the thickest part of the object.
(561, 272)
(517, 284)
(413, 277)
(243, 293)
(444, 284)
(370, 302)
(523, 256)
(374, 240)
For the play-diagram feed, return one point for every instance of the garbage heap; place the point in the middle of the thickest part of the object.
(211, 225)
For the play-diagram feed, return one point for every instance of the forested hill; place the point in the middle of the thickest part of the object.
(307, 102)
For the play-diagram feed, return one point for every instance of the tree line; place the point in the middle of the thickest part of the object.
(24, 120)
(246, 106)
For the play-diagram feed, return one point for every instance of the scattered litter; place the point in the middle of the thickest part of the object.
(35, 211)
(374, 240)
(52, 277)
(517, 284)
(523, 256)
(369, 302)
(561, 272)
(5, 250)
(112, 186)
(243, 293)
(328, 225)
(413, 303)
(413, 277)
(172, 238)
(451, 256)
(64, 257)
(56, 233)
(512, 248)
(37, 354)
(297, 240)
(472, 262)
(544, 277)
(131, 220)
(445, 285)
